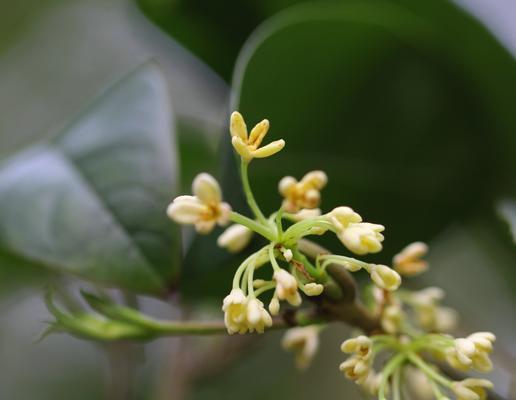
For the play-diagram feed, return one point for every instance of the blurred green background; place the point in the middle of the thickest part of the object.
(407, 105)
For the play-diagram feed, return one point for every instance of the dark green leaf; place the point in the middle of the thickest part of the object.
(92, 202)
(384, 99)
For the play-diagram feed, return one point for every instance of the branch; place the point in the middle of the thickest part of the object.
(346, 307)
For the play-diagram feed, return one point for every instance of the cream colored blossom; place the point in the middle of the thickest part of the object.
(392, 318)
(204, 209)
(248, 146)
(362, 238)
(342, 217)
(257, 317)
(361, 345)
(305, 213)
(472, 352)
(274, 306)
(471, 389)
(287, 254)
(304, 342)
(235, 312)
(313, 289)
(304, 194)
(356, 369)
(235, 238)
(446, 319)
(418, 384)
(385, 277)
(408, 262)
(286, 287)
(429, 314)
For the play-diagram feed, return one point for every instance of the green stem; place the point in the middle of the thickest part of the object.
(264, 289)
(298, 229)
(389, 369)
(242, 268)
(279, 226)
(257, 227)
(437, 390)
(314, 272)
(274, 263)
(249, 193)
(423, 366)
(396, 387)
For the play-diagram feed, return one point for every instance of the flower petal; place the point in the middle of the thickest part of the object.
(207, 189)
(237, 126)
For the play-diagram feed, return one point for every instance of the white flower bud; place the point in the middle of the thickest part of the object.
(385, 277)
(361, 345)
(274, 306)
(313, 289)
(362, 238)
(304, 341)
(286, 287)
(408, 262)
(471, 389)
(235, 238)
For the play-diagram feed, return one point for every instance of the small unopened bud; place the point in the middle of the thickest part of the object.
(274, 306)
(385, 277)
(313, 289)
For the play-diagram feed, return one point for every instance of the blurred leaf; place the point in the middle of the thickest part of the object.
(92, 202)
(384, 104)
(90, 326)
(212, 31)
(406, 115)
(507, 211)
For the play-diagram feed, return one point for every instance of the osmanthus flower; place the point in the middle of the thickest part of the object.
(204, 209)
(304, 342)
(248, 146)
(430, 315)
(359, 237)
(235, 238)
(286, 287)
(361, 345)
(408, 262)
(356, 369)
(305, 194)
(403, 326)
(392, 318)
(257, 317)
(471, 389)
(472, 352)
(235, 311)
(385, 277)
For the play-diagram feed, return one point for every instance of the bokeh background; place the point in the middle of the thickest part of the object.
(408, 105)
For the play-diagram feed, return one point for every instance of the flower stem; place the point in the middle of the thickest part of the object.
(423, 366)
(253, 225)
(396, 384)
(389, 369)
(249, 193)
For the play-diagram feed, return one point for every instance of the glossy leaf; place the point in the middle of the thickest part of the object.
(385, 97)
(92, 202)
(382, 98)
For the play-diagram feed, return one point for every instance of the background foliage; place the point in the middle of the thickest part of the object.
(408, 105)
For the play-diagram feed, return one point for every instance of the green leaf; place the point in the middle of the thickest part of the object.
(386, 101)
(92, 202)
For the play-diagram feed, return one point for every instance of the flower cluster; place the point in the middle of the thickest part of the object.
(410, 324)
(415, 324)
